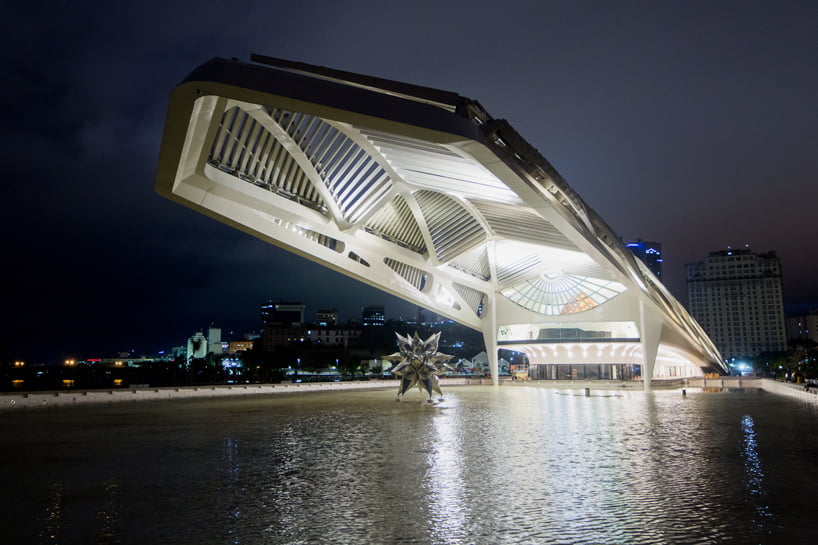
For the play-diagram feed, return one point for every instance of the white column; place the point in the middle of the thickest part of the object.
(650, 329)
(490, 339)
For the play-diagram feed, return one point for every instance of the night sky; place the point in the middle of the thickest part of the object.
(694, 124)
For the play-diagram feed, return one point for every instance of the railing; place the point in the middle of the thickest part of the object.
(724, 382)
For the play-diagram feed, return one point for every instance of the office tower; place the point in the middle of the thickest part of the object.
(214, 340)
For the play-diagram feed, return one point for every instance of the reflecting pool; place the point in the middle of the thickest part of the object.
(515, 464)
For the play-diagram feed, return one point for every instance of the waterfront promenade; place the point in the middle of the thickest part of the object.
(62, 398)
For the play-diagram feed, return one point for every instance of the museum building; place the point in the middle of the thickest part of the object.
(423, 194)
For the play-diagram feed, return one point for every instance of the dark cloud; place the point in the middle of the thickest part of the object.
(688, 123)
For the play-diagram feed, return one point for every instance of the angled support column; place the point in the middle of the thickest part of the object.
(650, 330)
(490, 339)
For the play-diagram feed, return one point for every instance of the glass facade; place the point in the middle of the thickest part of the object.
(601, 371)
(560, 293)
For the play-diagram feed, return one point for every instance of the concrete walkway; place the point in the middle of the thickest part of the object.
(21, 400)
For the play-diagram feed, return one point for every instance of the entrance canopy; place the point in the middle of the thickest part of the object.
(421, 193)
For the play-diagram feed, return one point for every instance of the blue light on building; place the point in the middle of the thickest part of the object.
(650, 253)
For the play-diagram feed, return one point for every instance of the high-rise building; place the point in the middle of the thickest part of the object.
(282, 313)
(214, 340)
(373, 316)
(196, 346)
(650, 253)
(736, 297)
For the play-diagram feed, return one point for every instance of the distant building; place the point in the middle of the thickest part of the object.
(481, 361)
(239, 346)
(373, 316)
(282, 335)
(803, 327)
(421, 315)
(214, 340)
(281, 313)
(426, 316)
(326, 317)
(196, 346)
(650, 253)
(736, 297)
(333, 336)
(282, 323)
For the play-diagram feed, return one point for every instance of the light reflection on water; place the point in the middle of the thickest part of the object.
(53, 515)
(509, 465)
(755, 474)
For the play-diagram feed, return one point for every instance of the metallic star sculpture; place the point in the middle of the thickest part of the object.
(419, 362)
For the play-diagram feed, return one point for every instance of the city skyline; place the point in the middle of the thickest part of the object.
(692, 126)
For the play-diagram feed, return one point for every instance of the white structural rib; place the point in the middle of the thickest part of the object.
(421, 193)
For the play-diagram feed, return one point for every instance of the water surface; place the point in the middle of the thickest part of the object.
(515, 464)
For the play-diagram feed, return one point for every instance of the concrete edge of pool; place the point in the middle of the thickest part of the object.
(63, 398)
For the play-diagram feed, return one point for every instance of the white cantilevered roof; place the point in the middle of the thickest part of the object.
(416, 191)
